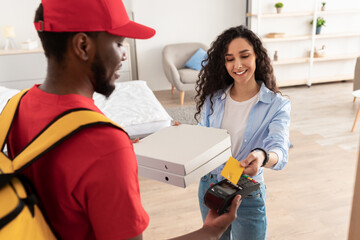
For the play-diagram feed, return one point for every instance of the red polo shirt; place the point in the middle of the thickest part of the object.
(88, 185)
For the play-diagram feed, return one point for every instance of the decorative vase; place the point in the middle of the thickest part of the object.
(322, 8)
(318, 30)
(320, 52)
(278, 10)
(276, 56)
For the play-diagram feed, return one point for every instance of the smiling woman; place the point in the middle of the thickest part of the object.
(240, 65)
(237, 91)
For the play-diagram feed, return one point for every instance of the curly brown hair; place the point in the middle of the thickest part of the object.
(214, 76)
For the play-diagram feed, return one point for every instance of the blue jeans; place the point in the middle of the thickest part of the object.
(251, 222)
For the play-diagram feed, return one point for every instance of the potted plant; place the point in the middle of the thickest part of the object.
(278, 6)
(319, 23)
(323, 6)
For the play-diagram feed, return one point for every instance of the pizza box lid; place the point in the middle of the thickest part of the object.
(181, 149)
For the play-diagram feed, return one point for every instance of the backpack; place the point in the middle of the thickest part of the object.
(20, 216)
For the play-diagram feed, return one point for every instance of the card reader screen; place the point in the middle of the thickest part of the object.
(226, 188)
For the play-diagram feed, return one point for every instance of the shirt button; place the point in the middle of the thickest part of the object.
(245, 140)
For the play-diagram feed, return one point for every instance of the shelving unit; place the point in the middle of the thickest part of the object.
(307, 37)
(291, 61)
(335, 57)
(338, 35)
(277, 15)
(297, 64)
(286, 38)
(316, 59)
(306, 13)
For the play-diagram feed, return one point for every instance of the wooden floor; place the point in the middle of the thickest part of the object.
(310, 199)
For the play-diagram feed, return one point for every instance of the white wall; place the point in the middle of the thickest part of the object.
(19, 14)
(179, 21)
(174, 20)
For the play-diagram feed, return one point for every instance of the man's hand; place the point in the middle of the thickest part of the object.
(219, 223)
(253, 163)
(214, 225)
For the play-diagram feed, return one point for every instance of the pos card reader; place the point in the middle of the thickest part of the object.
(219, 196)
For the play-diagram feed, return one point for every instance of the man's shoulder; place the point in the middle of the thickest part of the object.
(95, 144)
(105, 134)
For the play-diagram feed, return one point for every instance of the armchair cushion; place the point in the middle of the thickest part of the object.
(195, 61)
(188, 75)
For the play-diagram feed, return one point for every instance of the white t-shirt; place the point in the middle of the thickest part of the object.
(235, 118)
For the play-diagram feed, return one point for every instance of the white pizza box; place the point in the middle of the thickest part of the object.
(184, 181)
(181, 154)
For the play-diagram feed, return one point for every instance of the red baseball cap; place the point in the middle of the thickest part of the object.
(90, 16)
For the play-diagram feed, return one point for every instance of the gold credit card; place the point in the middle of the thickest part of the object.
(232, 170)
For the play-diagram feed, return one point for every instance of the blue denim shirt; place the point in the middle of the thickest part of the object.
(267, 127)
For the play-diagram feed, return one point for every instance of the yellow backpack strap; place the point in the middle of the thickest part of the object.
(55, 133)
(6, 120)
(64, 126)
(7, 115)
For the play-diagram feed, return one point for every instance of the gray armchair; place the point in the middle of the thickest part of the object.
(174, 58)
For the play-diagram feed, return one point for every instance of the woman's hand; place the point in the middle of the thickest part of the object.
(253, 163)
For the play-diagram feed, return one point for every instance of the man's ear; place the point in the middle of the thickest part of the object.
(83, 46)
